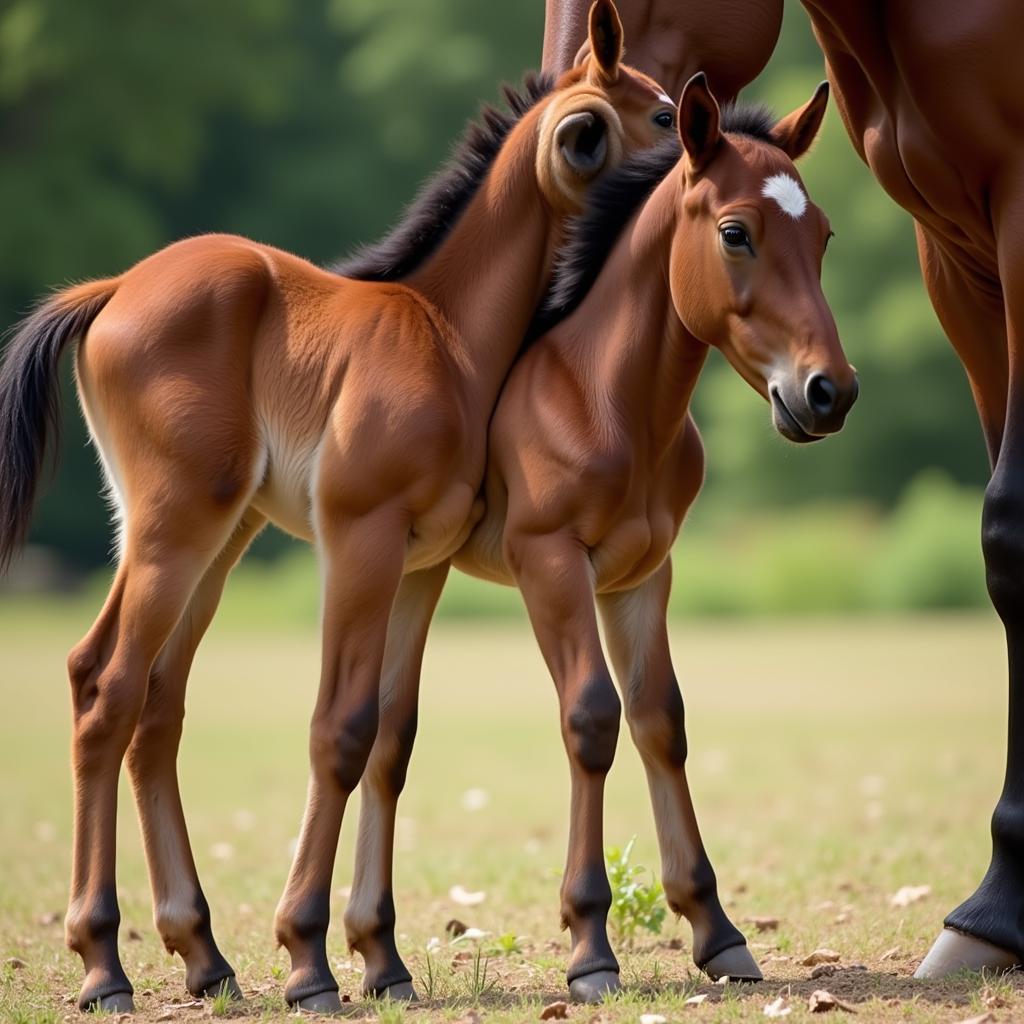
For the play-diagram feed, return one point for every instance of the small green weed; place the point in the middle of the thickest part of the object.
(635, 905)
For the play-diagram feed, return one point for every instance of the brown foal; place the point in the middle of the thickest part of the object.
(932, 96)
(593, 461)
(227, 383)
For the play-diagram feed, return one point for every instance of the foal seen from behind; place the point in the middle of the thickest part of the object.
(226, 383)
(594, 460)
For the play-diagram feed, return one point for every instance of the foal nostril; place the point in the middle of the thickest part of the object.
(821, 394)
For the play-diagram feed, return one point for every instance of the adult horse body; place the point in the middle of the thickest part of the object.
(932, 96)
(593, 462)
(227, 383)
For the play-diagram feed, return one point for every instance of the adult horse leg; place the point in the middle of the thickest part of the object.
(635, 629)
(554, 575)
(987, 931)
(162, 563)
(370, 914)
(363, 559)
(180, 910)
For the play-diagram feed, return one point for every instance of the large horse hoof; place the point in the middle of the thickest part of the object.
(322, 1002)
(592, 988)
(117, 1002)
(735, 963)
(400, 992)
(954, 951)
(225, 986)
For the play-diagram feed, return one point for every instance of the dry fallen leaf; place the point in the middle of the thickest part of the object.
(909, 894)
(890, 954)
(822, 1001)
(984, 1018)
(455, 928)
(763, 923)
(555, 1011)
(993, 1000)
(777, 1008)
(461, 895)
(821, 956)
(471, 935)
(696, 1000)
(15, 963)
(653, 1018)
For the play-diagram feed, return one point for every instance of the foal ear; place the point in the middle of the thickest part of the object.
(796, 132)
(699, 121)
(605, 38)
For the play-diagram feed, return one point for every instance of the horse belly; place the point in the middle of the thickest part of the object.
(285, 495)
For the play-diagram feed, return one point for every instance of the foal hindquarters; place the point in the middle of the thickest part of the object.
(184, 522)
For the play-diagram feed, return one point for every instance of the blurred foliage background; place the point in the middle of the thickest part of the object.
(308, 126)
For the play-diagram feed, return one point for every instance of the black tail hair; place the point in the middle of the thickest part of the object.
(30, 400)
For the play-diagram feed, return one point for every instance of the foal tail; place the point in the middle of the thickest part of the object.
(30, 399)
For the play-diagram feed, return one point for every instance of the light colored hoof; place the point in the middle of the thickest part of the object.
(400, 992)
(592, 988)
(226, 985)
(954, 951)
(322, 1002)
(735, 963)
(119, 1002)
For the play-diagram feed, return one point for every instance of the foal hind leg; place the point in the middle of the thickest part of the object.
(109, 673)
(554, 574)
(370, 915)
(637, 638)
(180, 910)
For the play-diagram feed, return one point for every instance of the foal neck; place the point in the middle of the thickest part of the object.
(627, 338)
(486, 278)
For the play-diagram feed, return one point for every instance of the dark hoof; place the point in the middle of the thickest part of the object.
(322, 1002)
(592, 988)
(734, 963)
(227, 986)
(400, 992)
(954, 951)
(118, 1002)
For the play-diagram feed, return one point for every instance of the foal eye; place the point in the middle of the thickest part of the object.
(664, 119)
(735, 236)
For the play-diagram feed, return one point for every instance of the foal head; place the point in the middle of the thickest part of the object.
(745, 266)
(599, 111)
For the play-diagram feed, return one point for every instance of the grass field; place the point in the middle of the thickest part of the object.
(832, 763)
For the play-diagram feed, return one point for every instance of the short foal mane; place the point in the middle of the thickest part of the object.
(443, 197)
(592, 234)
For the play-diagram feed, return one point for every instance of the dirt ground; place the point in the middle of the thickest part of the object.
(833, 764)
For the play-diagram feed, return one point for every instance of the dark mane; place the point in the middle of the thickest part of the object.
(431, 215)
(591, 235)
(752, 119)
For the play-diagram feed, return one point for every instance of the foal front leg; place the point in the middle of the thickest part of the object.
(363, 560)
(370, 915)
(637, 636)
(555, 577)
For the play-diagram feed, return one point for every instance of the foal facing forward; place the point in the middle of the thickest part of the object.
(227, 383)
(593, 462)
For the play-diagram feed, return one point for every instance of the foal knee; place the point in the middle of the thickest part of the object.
(340, 748)
(1003, 544)
(591, 724)
(658, 726)
(106, 702)
(389, 763)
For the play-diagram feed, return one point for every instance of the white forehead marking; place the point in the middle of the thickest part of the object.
(786, 191)
(665, 99)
